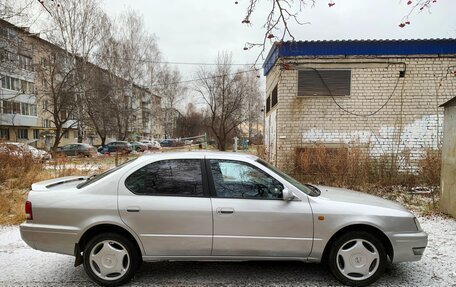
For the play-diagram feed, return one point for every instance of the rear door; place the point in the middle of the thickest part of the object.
(250, 217)
(167, 204)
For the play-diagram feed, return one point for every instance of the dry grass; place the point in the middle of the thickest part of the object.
(18, 174)
(353, 168)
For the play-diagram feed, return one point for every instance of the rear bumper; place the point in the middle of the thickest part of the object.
(408, 246)
(58, 239)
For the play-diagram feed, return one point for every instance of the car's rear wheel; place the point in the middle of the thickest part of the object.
(110, 259)
(357, 258)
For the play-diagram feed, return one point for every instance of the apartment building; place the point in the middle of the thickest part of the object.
(39, 97)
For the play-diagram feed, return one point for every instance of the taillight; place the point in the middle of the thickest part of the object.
(28, 210)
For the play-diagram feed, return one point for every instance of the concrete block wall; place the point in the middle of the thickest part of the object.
(384, 112)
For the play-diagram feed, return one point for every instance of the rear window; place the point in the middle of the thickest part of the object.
(97, 177)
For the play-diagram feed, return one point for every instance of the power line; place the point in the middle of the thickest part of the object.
(154, 85)
(181, 63)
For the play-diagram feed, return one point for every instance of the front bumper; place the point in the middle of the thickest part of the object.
(408, 246)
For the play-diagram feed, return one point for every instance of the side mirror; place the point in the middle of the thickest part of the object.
(287, 195)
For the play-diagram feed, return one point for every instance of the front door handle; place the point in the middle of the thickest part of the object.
(225, 210)
(133, 209)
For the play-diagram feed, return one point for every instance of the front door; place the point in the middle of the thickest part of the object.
(166, 204)
(250, 217)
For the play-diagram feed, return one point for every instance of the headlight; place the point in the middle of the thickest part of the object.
(417, 223)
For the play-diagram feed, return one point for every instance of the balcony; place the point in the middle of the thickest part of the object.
(18, 120)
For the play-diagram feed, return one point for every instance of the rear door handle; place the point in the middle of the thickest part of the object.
(225, 210)
(133, 209)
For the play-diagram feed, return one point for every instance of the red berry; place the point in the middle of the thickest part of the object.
(409, 2)
(245, 48)
(402, 25)
(407, 22)
(331, 4)
(236, 2)
(270, 36)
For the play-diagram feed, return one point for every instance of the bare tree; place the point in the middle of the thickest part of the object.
(57, 91)
(170, 88)
(281, 12)
(100, 103)
(225, 93)
(76, 27)
(127, 51)
(17, 11)
(191, 123)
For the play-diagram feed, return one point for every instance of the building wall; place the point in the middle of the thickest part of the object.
(448, 176)
(406, 118)
(17, 78)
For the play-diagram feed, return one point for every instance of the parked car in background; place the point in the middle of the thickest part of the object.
(214, 206)
(167, 143)
(117, 147)
(79, 149)
(151, 144)
(22, 150)
(139, 146)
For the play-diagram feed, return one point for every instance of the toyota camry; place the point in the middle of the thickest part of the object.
(215, 206)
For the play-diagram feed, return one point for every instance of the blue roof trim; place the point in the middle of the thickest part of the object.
(359, 47)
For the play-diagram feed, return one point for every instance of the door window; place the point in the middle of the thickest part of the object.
(234, 179)
(181, 177)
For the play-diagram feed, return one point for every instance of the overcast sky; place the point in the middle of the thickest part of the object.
(195, 31)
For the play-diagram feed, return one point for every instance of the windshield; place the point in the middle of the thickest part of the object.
(306, 188)
(94, 178)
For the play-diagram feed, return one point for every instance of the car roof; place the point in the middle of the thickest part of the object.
(199, 154)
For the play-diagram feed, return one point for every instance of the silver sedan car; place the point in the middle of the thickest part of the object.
(215, 207)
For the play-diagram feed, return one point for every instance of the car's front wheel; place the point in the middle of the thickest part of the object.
(110, 259)
(357, 258)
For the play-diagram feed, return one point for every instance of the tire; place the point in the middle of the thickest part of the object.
(117, 261)
(357, 258)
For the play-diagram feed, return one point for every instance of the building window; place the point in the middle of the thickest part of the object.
(25, 109)
(22, 134)
(7, 107)
(268, 104)
(36, 134)
(30, 87)
(32, 110)
(63, 115)
(4, 134)
(66, 134)
(25, 62)
(16, 108)
(324, 82)
(46, 123)
(274, 97)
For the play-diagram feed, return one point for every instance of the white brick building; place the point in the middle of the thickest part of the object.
(383, 95)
